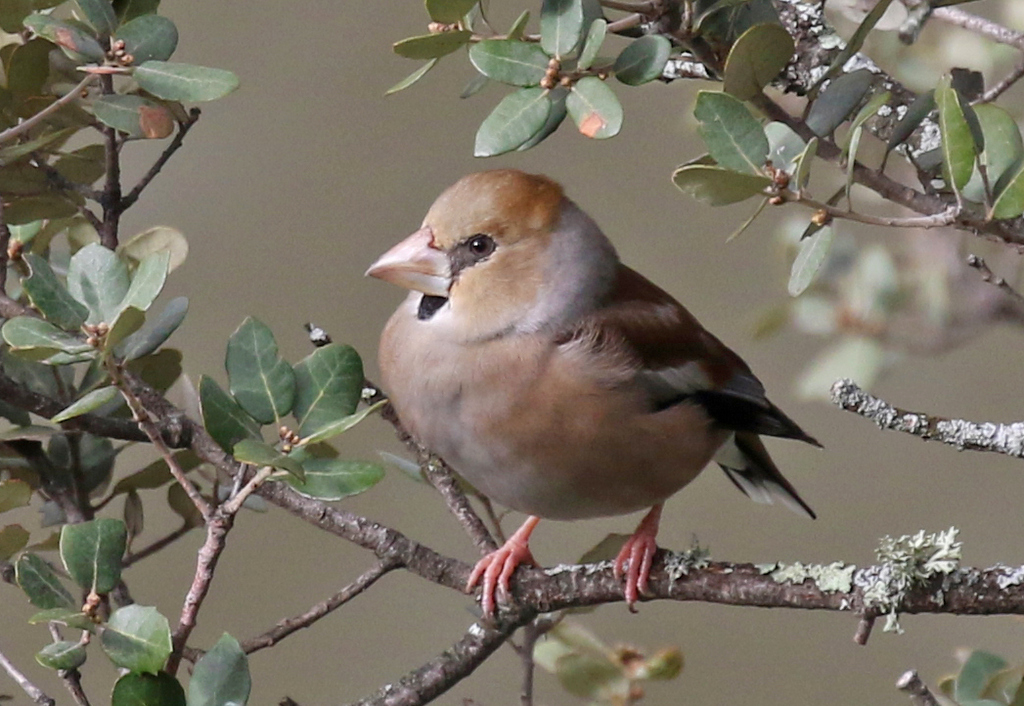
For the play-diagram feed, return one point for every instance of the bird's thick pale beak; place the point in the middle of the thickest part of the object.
(415, 263)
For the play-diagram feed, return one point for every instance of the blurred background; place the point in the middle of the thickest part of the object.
(291, 186)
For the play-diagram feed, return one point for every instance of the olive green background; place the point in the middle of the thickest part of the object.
(290, 187)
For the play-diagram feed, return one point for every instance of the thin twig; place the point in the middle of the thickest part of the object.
(1003, 85)
(645, 6)
(111, 198)
(920, 694)
(5, 243)
(217, 528)
(72, 679)
(234, 503)
(183, 128)
(980, 25)
(989, 276)
(937, 220)
(29, 123)
(442, 478)
(290, 625)
(156, 546)
(864, 627)
(34, 692)
(143, 419)
(531, 633)
(624, 23)
(1005, 439)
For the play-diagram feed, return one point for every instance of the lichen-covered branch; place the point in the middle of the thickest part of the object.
(965, 435)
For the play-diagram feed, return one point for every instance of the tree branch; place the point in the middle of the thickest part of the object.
(179, 138)
(34, 692)
(290, 625)
(29, 123)
(1006, 439)
(920, 694)
(980, 25)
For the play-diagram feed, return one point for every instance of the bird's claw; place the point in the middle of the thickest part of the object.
(496, 570)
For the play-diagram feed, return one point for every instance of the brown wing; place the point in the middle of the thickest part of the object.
(677, 360)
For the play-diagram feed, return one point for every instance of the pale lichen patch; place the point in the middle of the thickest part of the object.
(830, 578)
(679, 564)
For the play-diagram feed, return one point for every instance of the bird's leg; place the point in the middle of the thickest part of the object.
(634, 559)
(496, 568)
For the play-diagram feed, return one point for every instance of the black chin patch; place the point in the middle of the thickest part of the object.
(429, 304)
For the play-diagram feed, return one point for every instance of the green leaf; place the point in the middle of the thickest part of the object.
(154, 240)
(99, 279)
(1003, 147)
(733, 136)
(260, 454)
(128, 10)
(94, 454)
(92, 551)
(329, 382)
(147, 690)
(27, 70)
(411, 78)
(519, 26)
(757, 57)
(184, 82)
(155, 474)
(341, 425)
(784, 146)
(717, 186)
(83, 166)
(432, 46)
(643, 60)
(182, 505)
(134, 514)
(10, 155)
(974, 676)
(854, 145)
(809, 258)
(99, 14)
(223, 418)
(221, 676)
(65, 616)
(34, 208)
(837, 101)
(12, 12)
(853, 46)
(40, 583)
(154, 333)
(333, 479)
(592, 44)
(135, 116)
(447, 12)
(556, 115)
(561, 24)
(916, 113)
(28, 332)
(128, 321)
(509, 61)
(517, 118)
(1009, 201)
(74, 42)
(594, 108)
(803, 167)
(258, 378)
(13, 539)
(149, 37)
(14, 493)
(94, 399)
(62, 655)
(137, 638)
(863, 115)
(148, 281)
(958, 153)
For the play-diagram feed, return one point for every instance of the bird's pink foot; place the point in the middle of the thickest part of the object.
(497, 567)
(635, 557)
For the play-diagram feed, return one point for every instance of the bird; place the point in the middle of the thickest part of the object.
(556, 380)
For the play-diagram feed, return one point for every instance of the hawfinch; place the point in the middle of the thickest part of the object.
(556, 380)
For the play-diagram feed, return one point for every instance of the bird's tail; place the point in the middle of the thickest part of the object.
(747, 463)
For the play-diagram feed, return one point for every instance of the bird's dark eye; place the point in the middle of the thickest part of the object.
(481, 245)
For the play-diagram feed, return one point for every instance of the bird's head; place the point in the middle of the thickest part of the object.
(505, 250)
